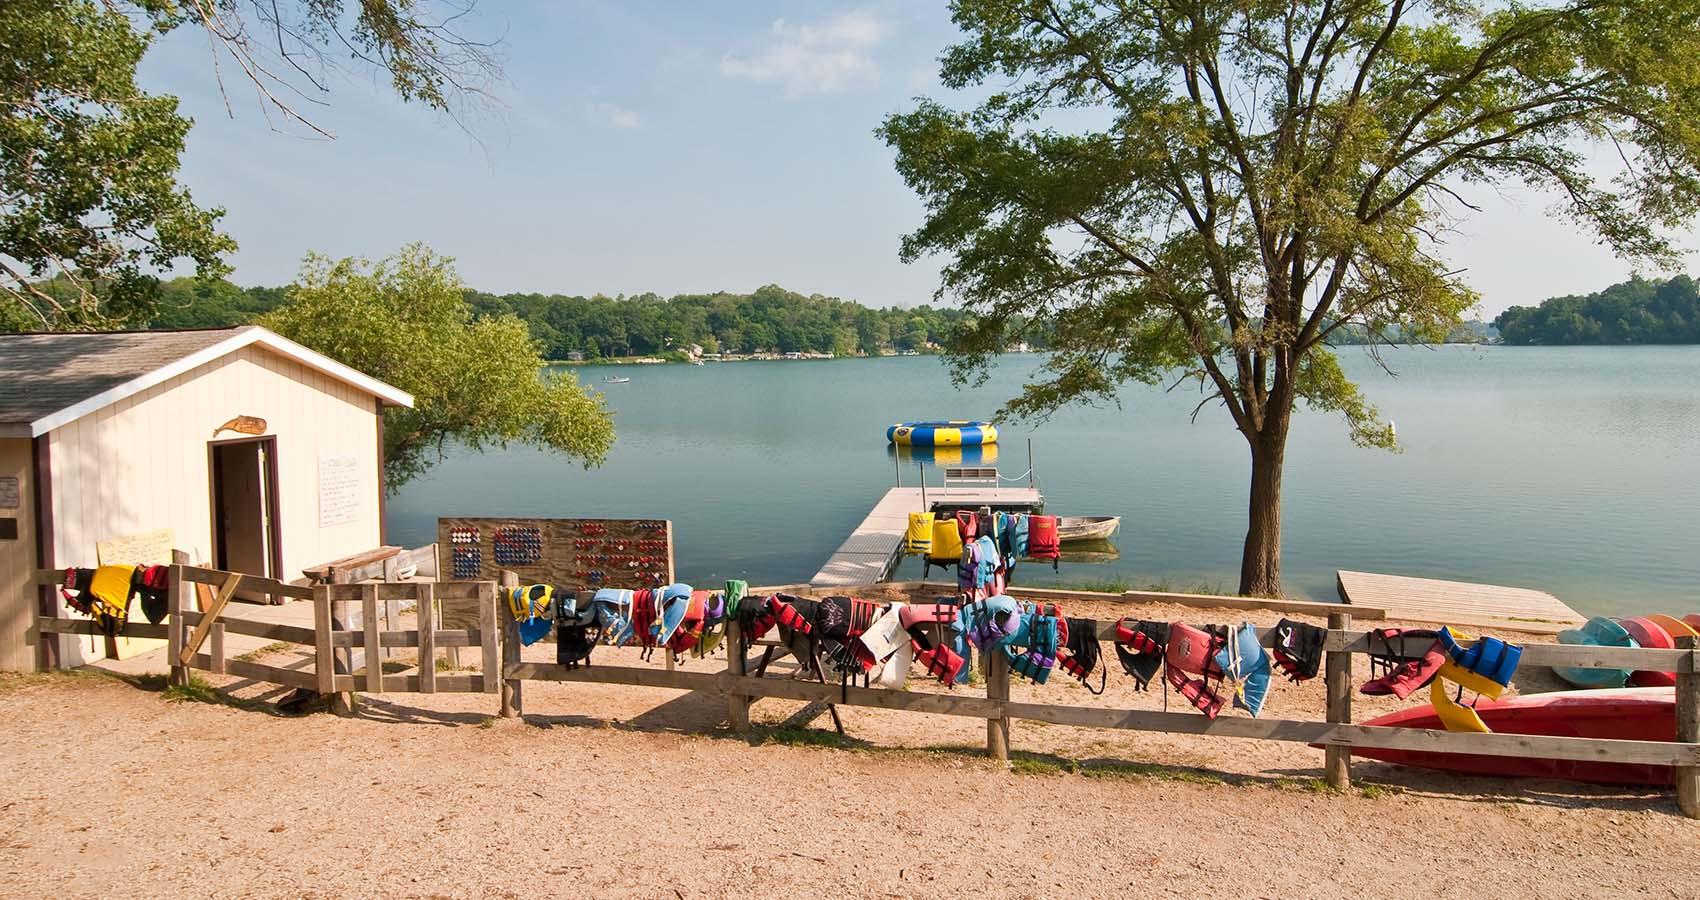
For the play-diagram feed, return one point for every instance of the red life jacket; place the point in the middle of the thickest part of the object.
(967, 522)
(690, 629)
(1192, 651)
(1043, 542)
(644, 613)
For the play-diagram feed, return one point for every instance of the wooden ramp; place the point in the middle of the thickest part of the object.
(1457, 602)
(867, 556)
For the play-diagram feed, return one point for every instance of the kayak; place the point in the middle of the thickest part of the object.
(1634, 714)
(1647, 633)
(1597, 632)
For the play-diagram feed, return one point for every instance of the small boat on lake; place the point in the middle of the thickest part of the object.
(616, 379)
(1086, 528)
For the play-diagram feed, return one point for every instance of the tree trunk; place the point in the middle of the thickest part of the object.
(1260, 566)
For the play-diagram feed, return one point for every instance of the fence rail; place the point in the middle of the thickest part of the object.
(496, 634)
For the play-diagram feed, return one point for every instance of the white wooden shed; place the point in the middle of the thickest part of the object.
(248, 450)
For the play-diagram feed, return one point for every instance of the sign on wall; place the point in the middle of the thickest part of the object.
(339, 490)
(9, 492)
(152, 548)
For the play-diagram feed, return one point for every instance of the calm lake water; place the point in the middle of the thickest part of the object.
(1568, 469)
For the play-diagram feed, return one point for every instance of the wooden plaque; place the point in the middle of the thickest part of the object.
(569, 553)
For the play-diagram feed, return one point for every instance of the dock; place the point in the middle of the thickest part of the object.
(1457, 602)
(875, 546)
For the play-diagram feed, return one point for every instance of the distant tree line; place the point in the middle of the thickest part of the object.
(770, 319)
(1638, 311)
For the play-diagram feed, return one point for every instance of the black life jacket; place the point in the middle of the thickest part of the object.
(1139, 646)
(1401, 660)
(153, 584)
(1082, 653)
(1298, 648)
(577, 630)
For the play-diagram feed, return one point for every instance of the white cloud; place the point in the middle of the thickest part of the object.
(614, 116)
(814, 59)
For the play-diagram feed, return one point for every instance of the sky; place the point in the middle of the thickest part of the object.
(673, 147)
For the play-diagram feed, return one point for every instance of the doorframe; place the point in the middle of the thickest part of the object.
(274, 527)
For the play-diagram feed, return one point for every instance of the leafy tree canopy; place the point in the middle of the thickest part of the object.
(405, 321)
(1213, 187)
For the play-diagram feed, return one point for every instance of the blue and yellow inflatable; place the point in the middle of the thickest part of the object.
(942, 434)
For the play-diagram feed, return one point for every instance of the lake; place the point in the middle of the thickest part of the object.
(1567, 469)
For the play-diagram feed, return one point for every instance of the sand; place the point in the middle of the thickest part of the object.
(109, 789)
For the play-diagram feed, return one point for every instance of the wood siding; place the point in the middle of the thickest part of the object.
(17, 561)
(142, 463)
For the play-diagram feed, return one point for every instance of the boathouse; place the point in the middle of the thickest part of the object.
(240, 447)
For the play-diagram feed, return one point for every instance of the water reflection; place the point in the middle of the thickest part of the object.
(983, 455)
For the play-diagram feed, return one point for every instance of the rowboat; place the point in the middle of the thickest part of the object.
(617, 379)
(1086, 528)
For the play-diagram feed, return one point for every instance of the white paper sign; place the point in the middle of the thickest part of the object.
(339, 490)
(151, 548)
(9, 492)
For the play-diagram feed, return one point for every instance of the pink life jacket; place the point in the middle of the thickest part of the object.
(1191, 652)
(968, 523)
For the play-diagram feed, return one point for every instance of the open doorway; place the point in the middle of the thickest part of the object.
(244, 498)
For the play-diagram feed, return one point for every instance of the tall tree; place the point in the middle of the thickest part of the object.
(1211, 188)
(88, 161)
(406, 321)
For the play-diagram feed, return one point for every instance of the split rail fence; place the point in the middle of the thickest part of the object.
(740, 687)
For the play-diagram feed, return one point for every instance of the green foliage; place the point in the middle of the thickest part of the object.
(1212, 189)
(406, 321)
(88, 169)
(1633, 312)
(771, 319)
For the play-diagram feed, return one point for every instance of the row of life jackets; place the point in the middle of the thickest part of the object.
(105, 594)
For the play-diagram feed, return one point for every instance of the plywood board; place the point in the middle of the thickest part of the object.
(152, 548)
(568, 553)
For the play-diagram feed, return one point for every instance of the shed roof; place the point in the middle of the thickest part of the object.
(47, 380)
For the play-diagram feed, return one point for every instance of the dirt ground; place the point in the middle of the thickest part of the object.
(107, 788)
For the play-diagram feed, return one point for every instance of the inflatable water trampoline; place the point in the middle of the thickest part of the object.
(942, 434)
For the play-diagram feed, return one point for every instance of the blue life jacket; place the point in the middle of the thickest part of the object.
(988, 561)
(1243, 661)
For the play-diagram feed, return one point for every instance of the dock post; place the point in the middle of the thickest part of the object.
(897, 468)
(1688, 726)
(513, 689)
(1029, 462)
(1337, 760)
(995, 666)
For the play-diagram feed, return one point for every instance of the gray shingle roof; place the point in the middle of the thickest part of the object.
(41, 374)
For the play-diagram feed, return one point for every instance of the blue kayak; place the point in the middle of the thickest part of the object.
(1596, 632)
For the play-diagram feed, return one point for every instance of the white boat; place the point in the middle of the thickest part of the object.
(616, 379)
(1086, 528)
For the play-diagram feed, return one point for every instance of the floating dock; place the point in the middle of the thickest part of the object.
(876, 545)
(1457, 602)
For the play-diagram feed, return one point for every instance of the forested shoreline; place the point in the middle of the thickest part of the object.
(1637, 311)
(769, 319)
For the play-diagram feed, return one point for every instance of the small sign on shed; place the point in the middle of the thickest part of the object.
(339, 490)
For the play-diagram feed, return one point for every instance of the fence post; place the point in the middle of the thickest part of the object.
(174, 625)
(737, 664)
(1688, 727)
(513, 690)
(1337, 760)
(995, 666)
(216, 641)
(369, 608)
(425, 606)
(489, 639)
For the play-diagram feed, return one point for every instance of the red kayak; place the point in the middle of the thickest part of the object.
(1633, 714)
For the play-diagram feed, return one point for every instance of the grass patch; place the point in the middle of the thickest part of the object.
(796, 736)
(1301, 785)
(1378, 791)
(443, 664)
(256, 654)
(1130, 770)
(195, 690)
(1161, 586)
(14, 681)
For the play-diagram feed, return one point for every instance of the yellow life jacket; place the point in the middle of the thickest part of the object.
(531, 601)
(109, 593)
(1454, 716)
(947, 541)
(919, 537)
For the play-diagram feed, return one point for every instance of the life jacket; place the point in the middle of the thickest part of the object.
(1043, 632)
(986, 524)
(735, 591)
(714, 619)
(938, 658)
(1081, 652)
(1486, 666)
(531, 608)
(153, 585)
(1405, 658)
(940, 661)
(967, 524)
(1298, 649)
(1012, 538)
(1140, 646)
(946, 549)
(640, 625)
(1244, 663)
(672, 605)
(1043, 541)
(687, 635)
(579, 626)
(991, 622)
(988, 565)
(968, 566)
(1192, 652)
(103, 594)
(919, 536)
(884, 642)
(842, 621)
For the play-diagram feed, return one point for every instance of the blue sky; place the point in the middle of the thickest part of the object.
(668, 147)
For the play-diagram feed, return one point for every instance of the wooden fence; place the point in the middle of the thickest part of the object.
(501, 654)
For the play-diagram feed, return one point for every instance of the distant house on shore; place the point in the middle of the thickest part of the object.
(575, 356)
(247, 450)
